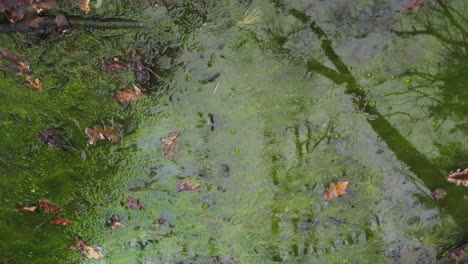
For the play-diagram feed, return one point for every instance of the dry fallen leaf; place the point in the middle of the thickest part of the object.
(171, 144)
(18, 9)
(117, 222)
(25, 208)
(35, 85)
(128, 95)
(15, 62)
(187, 186)
(83, 5)
(90, 251)
(134, 203)
(459, 177)
(109, 133)
(335, 190)
(49, 207)
(61, 221)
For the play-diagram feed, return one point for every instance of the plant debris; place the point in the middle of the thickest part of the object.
(128, 95)
(134, 203)
(114, 66)
(21, 66)
(335, 190)
(26, 208)
(49, 138)
(90, 251)
(61, 221)
(117, 222)
(49, 207)
(459, 177)
(83, 5)
(187, 186)
(18, 9)
(439, 194)
(171, 144)
(109, 133)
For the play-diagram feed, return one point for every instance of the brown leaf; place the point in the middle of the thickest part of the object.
(459, 177)
(15, 62)
(114, 66)
(335, 190)
(117, 222)
(49, 207)
(438, 194)
(134, 203)
(49, 138)
(129, 95)
(171, 144)
(187, 186)
(83, 5)
(109, 133)
(20, 8)
(36, 85)
(25, 208)
(61, 221)
(90, 251)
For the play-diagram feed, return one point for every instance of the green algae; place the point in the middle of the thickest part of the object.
(296, 130)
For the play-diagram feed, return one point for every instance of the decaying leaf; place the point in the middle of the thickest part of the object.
(15, 62)
(109, 133)
(128, 95)
(90, 251)
(117, 222)
(49, 138)
(35, 85)
(411, 5)
(83, 5)
(459, 177)
(134, 203)
(438, 194)
(25, 208)
(49, 207)
(114, 66)
(171, 144)
(18, 9)
(187, 186)
(335, 190)
(61, 221)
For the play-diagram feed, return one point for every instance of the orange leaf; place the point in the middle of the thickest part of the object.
(83, 5)
(109, 133)
(129, 95)
(90, 251)
(61, 221)
(335, 190)
(187, 186)
(49, 207)
(35, 85)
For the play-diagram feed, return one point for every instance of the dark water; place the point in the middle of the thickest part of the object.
(274, 100)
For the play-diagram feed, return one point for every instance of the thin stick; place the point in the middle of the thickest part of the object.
(216, 88)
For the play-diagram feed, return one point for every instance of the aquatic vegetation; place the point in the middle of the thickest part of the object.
(250, 17)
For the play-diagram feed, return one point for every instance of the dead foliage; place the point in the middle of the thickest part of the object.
(128, 95)
(90, 251)
(134, 203)
(459, 177)
(106, 132)
(61, 221)
(170, 146)
(49, 207)
(336, 190)
(187, 186)
(19, 9)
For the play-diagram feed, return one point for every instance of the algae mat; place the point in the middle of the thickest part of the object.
(258, 106)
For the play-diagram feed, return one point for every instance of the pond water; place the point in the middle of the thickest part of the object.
(273, 101)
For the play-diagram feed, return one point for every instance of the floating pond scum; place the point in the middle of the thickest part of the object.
(233, 131)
